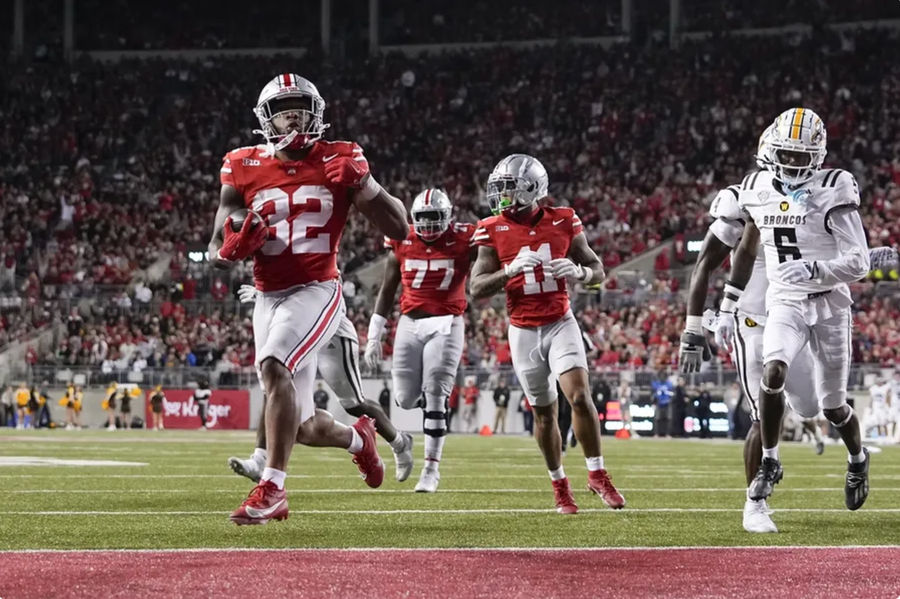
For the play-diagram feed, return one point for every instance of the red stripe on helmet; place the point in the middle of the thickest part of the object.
(286, 80)
(428, 197)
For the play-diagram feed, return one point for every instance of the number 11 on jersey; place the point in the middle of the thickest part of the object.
(532, 285)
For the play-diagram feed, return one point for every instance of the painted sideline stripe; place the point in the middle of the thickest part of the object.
(407, 491)
(633, 476)
(444, 511)
(603, 549)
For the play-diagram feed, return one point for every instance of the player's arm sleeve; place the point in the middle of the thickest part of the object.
(852, 263)
(228, 174)
(481, 236)
(727, 230)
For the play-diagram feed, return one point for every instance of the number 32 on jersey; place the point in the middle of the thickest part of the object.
(291, 216)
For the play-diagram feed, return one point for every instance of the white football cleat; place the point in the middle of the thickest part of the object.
(428, 481)
(404, 459)
(249, 468)
(756, 517)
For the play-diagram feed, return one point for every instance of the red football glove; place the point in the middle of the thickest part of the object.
(237, 246)
(348, 171)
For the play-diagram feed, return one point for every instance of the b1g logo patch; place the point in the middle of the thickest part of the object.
(750, 323)
(784, 206)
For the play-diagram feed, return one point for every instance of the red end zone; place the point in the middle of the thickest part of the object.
(702, 572)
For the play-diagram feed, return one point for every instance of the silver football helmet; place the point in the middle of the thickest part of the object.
(290, 94)
(431, 212)
(516, 183)
(796, 146)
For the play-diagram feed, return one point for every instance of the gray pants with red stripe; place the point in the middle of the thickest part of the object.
(291, 326)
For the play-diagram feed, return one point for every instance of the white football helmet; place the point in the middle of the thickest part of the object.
(284, 95)
(516, 183)
(796, 146)
(762, 160)
(431, 212)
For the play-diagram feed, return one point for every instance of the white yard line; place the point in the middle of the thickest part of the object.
(408, 491)
(499, 511)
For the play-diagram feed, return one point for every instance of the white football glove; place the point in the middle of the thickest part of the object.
(373, 354)
(797, 271)
(524, 260)
(724, 329)
(247, 294)
(883, 258)
(565, 268)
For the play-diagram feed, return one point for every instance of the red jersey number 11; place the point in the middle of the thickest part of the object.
(546, 284)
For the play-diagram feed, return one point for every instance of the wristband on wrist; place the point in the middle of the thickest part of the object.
(693, 324)
(732, 295)
(586, 274)
(376, 326)
(369, 189)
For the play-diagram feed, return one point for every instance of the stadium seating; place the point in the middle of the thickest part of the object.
(127, 170)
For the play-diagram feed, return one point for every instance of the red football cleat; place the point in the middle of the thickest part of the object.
(600, 483)
(565, 503)
(265, 502)
(367, 460)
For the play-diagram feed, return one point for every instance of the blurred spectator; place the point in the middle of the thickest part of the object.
(470, 406)
(7, 412)
(701, 403)
(678, 408)
(501, 402)
(452, 405)
(527, 415)
(662, 390)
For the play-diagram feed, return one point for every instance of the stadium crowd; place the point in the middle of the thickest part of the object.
(110, 170)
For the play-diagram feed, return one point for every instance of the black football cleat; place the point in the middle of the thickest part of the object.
(856, 488)
(764, 482)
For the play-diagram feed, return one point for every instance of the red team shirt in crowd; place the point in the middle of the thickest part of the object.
(306, 213)
(533, 298)
(434, 275)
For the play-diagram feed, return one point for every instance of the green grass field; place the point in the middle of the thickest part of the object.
(494, 493)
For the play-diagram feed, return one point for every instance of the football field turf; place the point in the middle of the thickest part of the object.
(155, 518)
(177, 492)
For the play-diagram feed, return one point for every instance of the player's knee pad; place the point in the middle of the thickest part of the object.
(434, 423)
(839, 416)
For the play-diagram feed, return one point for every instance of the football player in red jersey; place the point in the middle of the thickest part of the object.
(432, 264)
(303, 187)
(532, 252)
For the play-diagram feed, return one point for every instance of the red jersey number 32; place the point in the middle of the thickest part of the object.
(291, 216)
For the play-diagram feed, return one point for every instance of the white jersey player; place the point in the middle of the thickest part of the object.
(812, 236)
(880, 411)
(741, 333)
